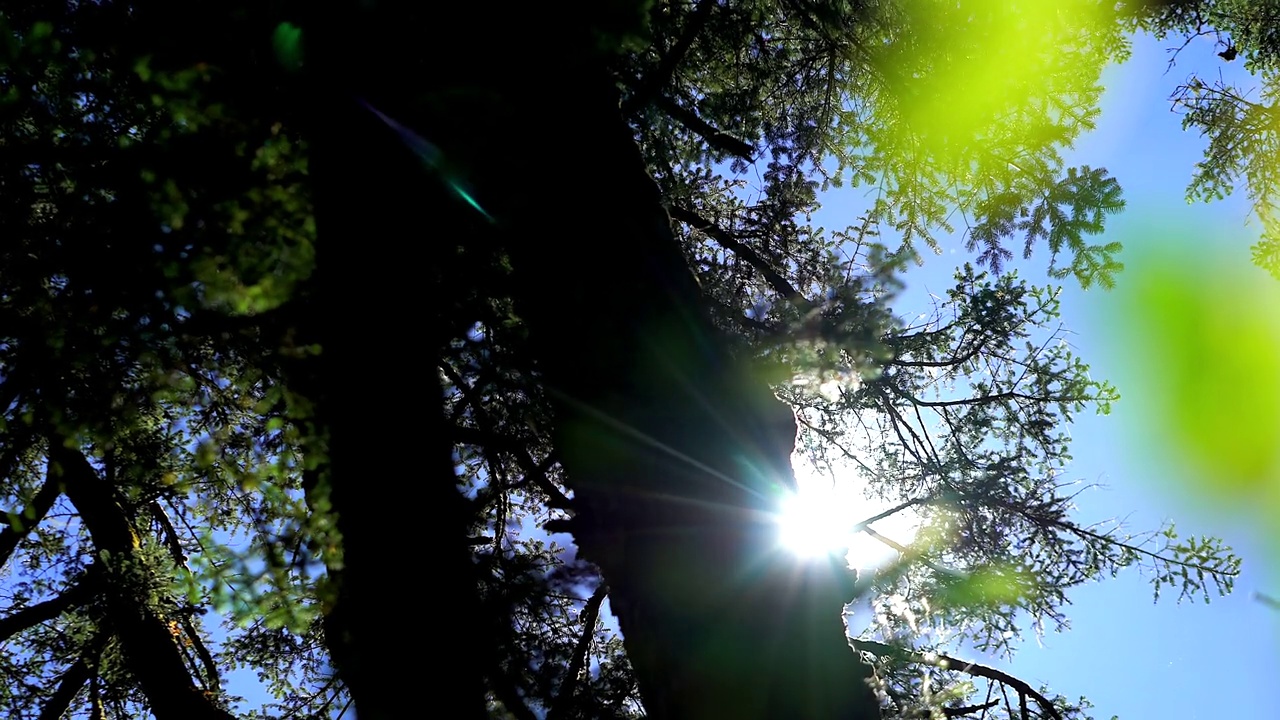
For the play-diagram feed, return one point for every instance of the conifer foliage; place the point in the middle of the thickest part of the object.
(386, 352)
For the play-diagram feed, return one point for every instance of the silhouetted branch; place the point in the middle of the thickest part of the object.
(656, 81)
(968, 709)
(726, 240)
(31, 516)
(149, 645)
(72, 680)
(590, 614)
(715, 137)
(96, 711)
(534, 472)
(33, 615)
(949, 663)
(202, 651)
(171, 539)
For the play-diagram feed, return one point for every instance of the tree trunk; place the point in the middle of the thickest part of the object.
(676, 452)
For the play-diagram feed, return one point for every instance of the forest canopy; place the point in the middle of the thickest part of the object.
(301, 305)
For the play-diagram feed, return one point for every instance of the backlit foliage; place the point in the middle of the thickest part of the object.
(159, 253)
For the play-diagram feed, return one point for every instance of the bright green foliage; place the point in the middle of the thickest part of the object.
(1068, 211)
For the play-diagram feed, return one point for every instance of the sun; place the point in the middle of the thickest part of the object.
(811, 525)
(821, 519)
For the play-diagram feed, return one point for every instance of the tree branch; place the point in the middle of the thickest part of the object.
(95, 698)
(726, 239)
(968, 709)
(1085, 533)
(72, 680)
(590, 614)
(534, 472)
(949, 663)
(656, 81)
(22, 525)
(716, 138)
(171, 539)
(152, 650)
(202, 651)
(33, 615)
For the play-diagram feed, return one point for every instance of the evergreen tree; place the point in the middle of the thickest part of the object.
(283, 325)
(1238, 122)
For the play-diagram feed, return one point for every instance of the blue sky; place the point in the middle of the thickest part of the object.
(1129, 657)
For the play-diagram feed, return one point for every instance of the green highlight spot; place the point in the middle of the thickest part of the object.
(287, 41)
(1207, 346)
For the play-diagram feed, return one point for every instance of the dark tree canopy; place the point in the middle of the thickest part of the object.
(314, 316)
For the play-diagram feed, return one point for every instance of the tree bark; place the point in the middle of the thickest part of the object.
(677, 452)
(389, 475)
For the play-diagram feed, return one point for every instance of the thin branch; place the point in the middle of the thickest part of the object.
(968, 709)
(834, 440)
(96, 711)
(533, 471)
(909, 555)
(22, 525)
(863, 525)
(726, 239)
(953, 361)
(202, 651)
(171, 539)
(983, 399)
(1099, 537)
(949, 663)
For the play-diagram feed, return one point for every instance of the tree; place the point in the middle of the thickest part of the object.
(1239, 126)
(239, 384)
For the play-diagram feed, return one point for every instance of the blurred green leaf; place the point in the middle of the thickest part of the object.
(1207, 346)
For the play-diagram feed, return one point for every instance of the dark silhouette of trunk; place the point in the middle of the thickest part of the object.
(380, 314)
(676, 451)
